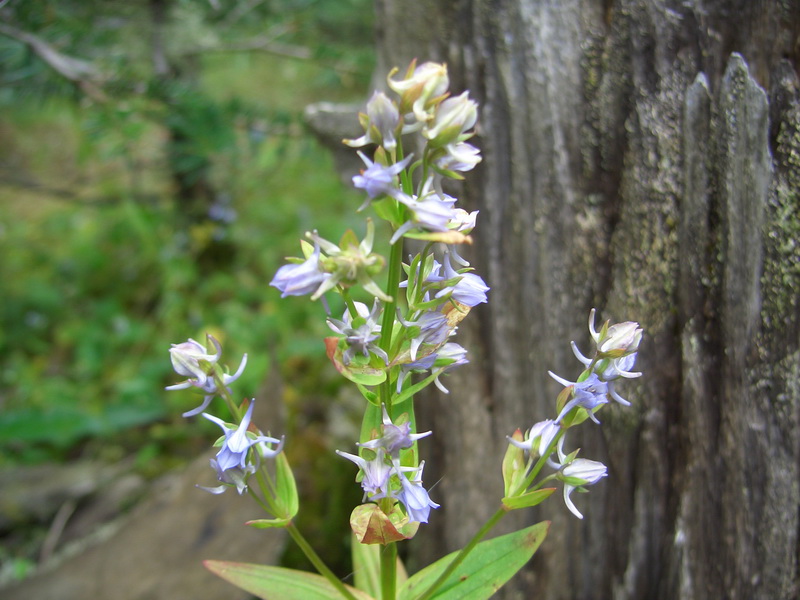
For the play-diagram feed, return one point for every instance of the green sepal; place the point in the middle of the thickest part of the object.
(514, 465)
(286, 497)
(278, 583)
(529, 499)
(348, 239)
(485, 570)
(573, 481)
(448, 173)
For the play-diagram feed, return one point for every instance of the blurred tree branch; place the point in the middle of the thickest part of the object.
(83, 73)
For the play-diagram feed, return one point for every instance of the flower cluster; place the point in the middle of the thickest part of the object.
(407, 333)
(242, 446)
(383, 476)
(614, 357)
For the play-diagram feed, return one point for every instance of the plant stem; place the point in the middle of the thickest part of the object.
(321, 567)
(389, 571)
(493, 520)
(387, 324)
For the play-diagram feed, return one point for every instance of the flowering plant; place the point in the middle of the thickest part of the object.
(393, 346)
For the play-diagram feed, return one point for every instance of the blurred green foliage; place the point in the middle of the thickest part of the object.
(142, 207)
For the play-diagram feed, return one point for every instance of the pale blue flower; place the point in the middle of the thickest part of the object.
(459, 157)
(395, 437)
(235, 477)
(361, 333)
(423, 364)
(539, 437)
(433, 329)
(300, 279)
(379, 180)
(612, 369)
(468, 289)
(449, 355)
(380, 123)
(578, 473)
(186, 359)
(377, 471)
(429, 212)
(415, 498)
(588, 394)
(237, 443)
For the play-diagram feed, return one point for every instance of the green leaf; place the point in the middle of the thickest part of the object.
(367, 568)
(529, 499)
(278, 583)
(268, 523)
(485, 570)
(371, 423)
(286, 487)
(410, 391)
(369, 395)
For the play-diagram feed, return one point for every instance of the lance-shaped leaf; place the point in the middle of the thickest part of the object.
(529, 499)
(286, 497)
(277, 583)
(367, 568)
(485, 570)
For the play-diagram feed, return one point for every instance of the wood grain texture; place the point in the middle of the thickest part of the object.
(643, 157)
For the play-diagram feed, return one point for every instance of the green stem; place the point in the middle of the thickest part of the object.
(222, 390)
(493, 520)
(389, 571)
(319, 565)
(348, 300)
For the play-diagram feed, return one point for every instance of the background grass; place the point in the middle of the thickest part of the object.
(103, 266)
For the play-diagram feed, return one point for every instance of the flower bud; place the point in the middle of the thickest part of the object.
(451, 121)
(617, 340)
(380, 123)
(187, 358)
(300, 279)
(622, 339)
(578, 473)
(459, 156)
(421, 88)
